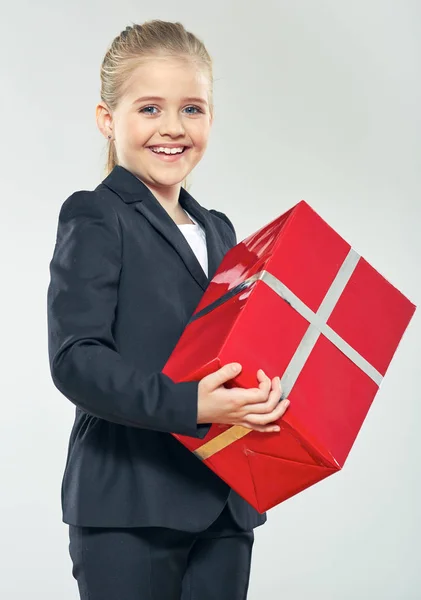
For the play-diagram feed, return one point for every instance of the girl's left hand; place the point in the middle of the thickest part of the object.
(256, 413)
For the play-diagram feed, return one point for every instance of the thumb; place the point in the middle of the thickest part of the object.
(224, 374)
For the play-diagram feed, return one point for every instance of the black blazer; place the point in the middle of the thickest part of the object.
(124, 283)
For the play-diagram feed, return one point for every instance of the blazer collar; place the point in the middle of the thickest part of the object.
(133, 191)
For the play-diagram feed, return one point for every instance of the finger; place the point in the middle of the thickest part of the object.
(272, 401)
(224, 374)
(272, 428)
(265, 382)
(276, 383)
(265, 419)
(262, 377)
(243, 397)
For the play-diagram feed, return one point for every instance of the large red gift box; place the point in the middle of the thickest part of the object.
(297, 301)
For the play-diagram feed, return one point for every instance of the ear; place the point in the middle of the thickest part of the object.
(104, 119)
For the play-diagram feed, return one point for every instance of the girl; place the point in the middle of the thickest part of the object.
(147, 520)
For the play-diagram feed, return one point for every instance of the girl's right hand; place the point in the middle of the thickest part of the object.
(254, 408)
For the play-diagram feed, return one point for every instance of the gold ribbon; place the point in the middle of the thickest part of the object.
(221, 441)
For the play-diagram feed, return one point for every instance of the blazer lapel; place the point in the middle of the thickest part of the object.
(162, 222)
(214, 244)
(132, 190)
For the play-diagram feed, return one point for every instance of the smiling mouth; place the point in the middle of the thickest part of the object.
(169, 156)
(168, 153)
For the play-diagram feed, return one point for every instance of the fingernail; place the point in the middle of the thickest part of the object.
(287, 402)
(236, 367)
(276, 428)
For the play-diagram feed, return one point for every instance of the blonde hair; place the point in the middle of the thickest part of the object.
(136, 42)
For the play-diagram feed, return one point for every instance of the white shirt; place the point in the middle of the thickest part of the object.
(196, 237)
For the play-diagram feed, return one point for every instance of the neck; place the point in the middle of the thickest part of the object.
(168, 196)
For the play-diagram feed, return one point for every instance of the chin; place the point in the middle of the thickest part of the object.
(170, 180)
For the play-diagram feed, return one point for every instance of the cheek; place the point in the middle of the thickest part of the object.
(138, 132)
(200, 135)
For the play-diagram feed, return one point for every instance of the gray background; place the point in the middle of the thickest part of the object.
(315, 100)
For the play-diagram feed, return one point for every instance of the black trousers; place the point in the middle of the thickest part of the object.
(155, 563)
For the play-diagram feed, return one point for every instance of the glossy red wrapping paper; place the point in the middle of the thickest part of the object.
(331, 394)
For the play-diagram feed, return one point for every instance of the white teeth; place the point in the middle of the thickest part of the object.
(168, 150)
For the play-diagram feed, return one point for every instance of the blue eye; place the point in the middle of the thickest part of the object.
(196, 108)
(142, 110)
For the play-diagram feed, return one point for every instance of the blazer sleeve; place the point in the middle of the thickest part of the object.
(81, 305)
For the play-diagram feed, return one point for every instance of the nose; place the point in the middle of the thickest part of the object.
(171, 124)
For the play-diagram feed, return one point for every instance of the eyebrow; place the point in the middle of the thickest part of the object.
(159, 99)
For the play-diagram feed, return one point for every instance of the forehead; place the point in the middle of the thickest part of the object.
(168, 77)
